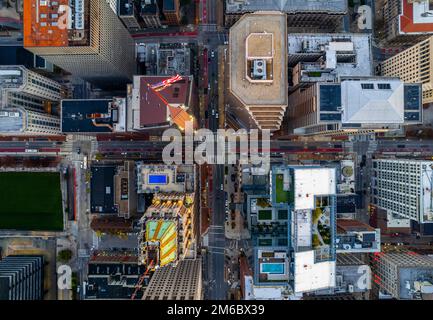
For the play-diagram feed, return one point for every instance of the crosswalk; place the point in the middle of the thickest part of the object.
(208, 28)
(372, 147)
(67, 146)
(94, 146)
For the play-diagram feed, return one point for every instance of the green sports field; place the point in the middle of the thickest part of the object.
(31, 201)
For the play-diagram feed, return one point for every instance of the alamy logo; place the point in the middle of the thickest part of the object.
(64, 277)
(364, 281)
(223, 147)
(365, 18)
(64, 17)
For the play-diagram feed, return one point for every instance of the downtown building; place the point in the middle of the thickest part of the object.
(352, 281)
(356, 105)
(407, 22)
(413, 65)
(171, 10)
(128, 12)
(148, 109)
(180, 282)
(315, 57)
(93, 116)
(257, 67)
(29, 102)
(404, 187)
(403, 275)
(113, 275)
(169, 226)
(22, 278)
(150, 12)
(93, 45)
(301, 14)
(293, 231)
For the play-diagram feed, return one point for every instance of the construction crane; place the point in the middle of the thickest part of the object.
(139, 284)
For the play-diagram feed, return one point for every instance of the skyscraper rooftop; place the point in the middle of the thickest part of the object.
(258, 66)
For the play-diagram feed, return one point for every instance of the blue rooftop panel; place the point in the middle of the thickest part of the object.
(330, 97)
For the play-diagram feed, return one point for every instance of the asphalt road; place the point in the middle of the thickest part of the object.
(217, 288)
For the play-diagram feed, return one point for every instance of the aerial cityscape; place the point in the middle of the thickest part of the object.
(241, 150)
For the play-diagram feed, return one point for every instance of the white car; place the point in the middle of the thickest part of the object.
(212, 55)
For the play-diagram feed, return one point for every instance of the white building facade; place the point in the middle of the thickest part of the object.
(404, 188)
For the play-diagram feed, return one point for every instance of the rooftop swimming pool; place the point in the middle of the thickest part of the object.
(157, 179)
(272, 268)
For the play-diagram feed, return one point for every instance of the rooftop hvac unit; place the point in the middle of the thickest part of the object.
(79, 6)
(3, 114)
(259, 69)
(79, 21)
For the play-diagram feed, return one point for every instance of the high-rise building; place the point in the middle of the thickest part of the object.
(413, 65)
(404, 187)
(327, 57)
(407, 21)
(168, 232)
(22, 278)
(171, 10)
(128, 13)
(29, 102)
(293, 231)
(20, 87)
(113, 275)
(354, 105)
(180, 282)
(93, 45)
(403, 275)
(93, 116)
(150, 13)
(258, 68)
(20, 121)
(311, 14)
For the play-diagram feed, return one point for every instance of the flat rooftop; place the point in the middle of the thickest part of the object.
(416, 17)
(287, 6)
(11, 76)
(102, 189)
(310, 182)
(311, 276)
(88, 116)
(348, 54)
(12, 120)
(264, 23)
(43, 24)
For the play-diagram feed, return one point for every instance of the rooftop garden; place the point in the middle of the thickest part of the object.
(281, 196)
